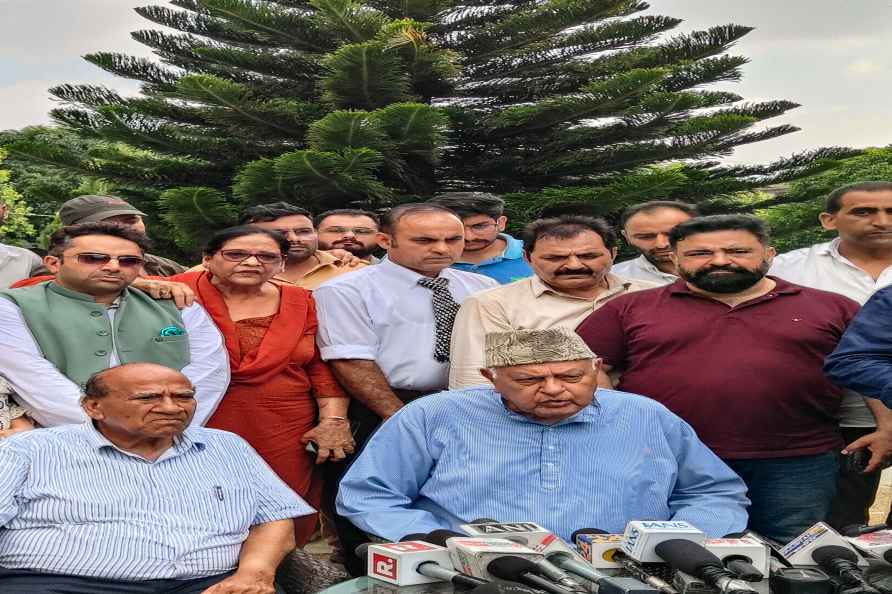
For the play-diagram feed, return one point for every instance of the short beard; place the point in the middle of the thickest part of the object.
(726, 284)
(360, 251)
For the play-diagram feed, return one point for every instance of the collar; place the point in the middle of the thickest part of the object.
(590, 414)
(60, 290)
(402, 274)
(323, 260)
(782, 287)
(614, 285)
(513, 251)
(645, 264)
(182, 443)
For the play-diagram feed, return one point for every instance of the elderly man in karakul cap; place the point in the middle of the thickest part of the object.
(541, 445)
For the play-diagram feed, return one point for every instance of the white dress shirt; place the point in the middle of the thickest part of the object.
(16, 263)
(53, 399)
(642, 269)
(821, 266)
(382, 314)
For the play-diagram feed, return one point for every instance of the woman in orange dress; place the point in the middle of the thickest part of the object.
(282, 395)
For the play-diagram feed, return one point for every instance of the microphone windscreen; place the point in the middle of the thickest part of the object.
(511, 567)
(825, 554)
(484, 521)
(586, 531)
(438, 537)
(414, 536)
(736, 534)
(887, 556)
(503, 587)
(686, 556)
(362, 550)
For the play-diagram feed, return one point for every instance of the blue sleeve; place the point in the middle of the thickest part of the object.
(14, 470)
(862, 360)
(379, 489)
(707, 493)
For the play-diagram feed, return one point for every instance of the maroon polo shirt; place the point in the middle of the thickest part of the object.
(749, 379)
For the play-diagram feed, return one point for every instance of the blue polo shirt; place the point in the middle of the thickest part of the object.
(507, 267)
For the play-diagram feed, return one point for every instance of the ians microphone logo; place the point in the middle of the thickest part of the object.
(384, 566)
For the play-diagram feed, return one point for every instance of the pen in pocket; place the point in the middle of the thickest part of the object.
(218, 490)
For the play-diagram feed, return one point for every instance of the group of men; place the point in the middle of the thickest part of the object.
(491, 376)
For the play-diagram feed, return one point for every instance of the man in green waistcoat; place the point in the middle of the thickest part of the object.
(55, 335)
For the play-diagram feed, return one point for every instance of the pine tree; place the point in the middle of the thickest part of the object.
(561, 105)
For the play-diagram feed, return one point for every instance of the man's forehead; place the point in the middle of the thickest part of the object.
(881, 199)
(586, 240)
(551, 367)
(431, 224)
(104, 243)
(338, 220)
(656, 220)
(288, 222)
(720, 239)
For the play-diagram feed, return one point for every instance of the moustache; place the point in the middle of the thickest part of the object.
(574, 272)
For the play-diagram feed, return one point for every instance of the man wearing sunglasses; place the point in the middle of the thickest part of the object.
(55, 335)
(488, 249)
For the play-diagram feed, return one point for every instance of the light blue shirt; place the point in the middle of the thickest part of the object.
(73, 503)
(507, 267)
(446, 459)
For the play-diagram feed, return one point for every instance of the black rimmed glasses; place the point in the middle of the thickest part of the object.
(242, 255)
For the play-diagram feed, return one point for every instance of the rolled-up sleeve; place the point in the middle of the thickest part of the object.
(321, 377)
(379, 489)
(707, 493)
(208, 367)
(862, 360)
(345, 327)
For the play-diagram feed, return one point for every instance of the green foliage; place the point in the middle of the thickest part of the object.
(582, 105)
(15, 227)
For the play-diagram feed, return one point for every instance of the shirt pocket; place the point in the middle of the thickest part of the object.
(171, 351)
(226, 509)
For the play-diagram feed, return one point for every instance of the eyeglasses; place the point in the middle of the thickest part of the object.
(92, 259)
(354, 230)
(481, 227)
(242, 255)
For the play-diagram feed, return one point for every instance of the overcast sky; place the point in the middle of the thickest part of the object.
(829, 55)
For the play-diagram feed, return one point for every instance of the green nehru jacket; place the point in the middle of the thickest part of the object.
(75, 333)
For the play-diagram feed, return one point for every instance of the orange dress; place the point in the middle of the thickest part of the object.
(277, 375)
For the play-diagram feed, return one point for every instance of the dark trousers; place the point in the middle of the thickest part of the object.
(788, 495)
(856, 491)
(17, 581)
(364, 423)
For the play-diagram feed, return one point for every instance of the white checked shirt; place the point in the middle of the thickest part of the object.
(821, 266)
(641, 269)
(382, 314)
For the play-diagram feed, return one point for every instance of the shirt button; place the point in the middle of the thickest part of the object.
(100, 353)
(102, 333)
(96, 314)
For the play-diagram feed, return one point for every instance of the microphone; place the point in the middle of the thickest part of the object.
(519, 569)
(742, 555)
(859, 529)
(409, 563)
(875, 543)
(843, 564)
(799, 550)
(550, 571)
(641, 537)
(503, 587)
(798, 580)
(629, 564)
(606, 584)
(693, 559)
(742, 568)
(529, 533)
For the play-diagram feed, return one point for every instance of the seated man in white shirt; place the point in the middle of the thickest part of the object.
(55, 335)
(137, 502)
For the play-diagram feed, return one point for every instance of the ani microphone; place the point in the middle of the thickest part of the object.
(606, 584)
(693, 559)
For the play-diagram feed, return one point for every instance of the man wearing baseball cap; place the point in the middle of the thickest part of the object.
(111, 209)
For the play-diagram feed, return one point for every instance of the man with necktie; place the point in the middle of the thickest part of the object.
(385, 329)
